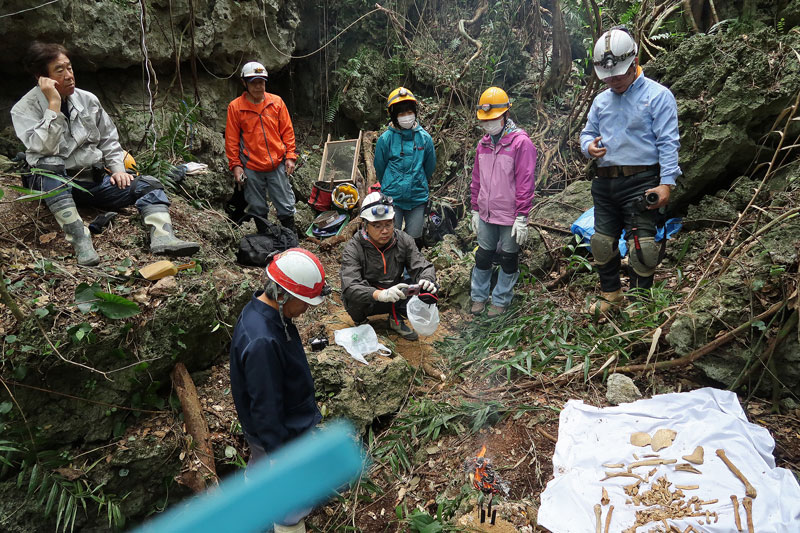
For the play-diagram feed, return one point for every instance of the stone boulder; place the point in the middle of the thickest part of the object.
(360, 393)
(726, 113)
(621, 389)
(562, 209)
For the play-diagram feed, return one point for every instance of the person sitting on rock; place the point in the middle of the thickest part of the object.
(67, 133)
(373, 262)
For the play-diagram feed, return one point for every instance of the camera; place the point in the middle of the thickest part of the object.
(644, 201)
(319, 343)
(411, 290)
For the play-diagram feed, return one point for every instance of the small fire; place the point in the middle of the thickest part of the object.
(484, 476)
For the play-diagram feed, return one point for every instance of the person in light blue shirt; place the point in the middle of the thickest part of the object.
(404, 162)
(632, 133)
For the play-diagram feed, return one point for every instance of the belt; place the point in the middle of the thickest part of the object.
(624, 171)
(94, 173)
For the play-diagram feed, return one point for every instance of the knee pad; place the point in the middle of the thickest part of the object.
(483, 258)
(644, 260)
(509, 262)
(604, 248)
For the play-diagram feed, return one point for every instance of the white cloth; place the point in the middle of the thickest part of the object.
(590, 436)
(476, 218)
(88, 138)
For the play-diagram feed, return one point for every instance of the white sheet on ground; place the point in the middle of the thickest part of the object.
(590, 436)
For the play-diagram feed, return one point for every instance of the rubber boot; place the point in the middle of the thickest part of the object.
(162, 240)
(288, 222)
(261, 226)
(299, 527)
(77, 234)
(606, 302)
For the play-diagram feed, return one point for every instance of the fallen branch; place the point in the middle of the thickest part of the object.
(703, 350)
(479, 12)
(8, 300)
(196, 426)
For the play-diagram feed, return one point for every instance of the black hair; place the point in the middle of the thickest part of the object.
(400, 107)
(40, 55)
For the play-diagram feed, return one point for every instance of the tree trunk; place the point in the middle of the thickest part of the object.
(197, 479)
(561, 59)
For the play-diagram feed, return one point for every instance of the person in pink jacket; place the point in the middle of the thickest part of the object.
(503, 183)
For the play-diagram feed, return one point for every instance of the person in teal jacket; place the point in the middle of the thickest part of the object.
(404, 163)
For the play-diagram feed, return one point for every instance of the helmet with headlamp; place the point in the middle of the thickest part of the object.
(614, 52)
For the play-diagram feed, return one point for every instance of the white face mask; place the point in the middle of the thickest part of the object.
(492, 127)
(407, 122)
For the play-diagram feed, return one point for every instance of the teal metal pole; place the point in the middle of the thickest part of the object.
(298, 476)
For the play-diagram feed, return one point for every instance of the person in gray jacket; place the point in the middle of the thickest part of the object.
(373, 262)
(69, 137)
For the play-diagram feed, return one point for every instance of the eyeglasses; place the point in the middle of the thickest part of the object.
(385, 225)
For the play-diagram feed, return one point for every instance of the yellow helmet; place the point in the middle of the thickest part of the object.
(130, 163)
(401, 94)
(493, 103)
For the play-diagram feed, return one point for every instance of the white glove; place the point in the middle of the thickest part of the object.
(519, 230)
(392, 294)
(475, 219)
(427, 286)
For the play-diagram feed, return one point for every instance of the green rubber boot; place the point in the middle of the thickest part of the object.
(77, 234)
(162, 239)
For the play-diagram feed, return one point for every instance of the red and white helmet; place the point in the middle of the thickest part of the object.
(299, 273)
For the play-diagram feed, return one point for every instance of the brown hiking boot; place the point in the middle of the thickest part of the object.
(495, 310)
(477, 308)
(606, 302)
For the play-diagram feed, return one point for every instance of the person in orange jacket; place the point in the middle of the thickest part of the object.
(259, 143)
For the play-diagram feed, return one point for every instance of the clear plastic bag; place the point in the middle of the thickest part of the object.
(424, 318)
(359, 341)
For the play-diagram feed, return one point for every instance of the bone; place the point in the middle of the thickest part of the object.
(749, 490)
(696, 457)
(597, 513)
(687, 487)
(651, 462)
(613, 465)
(604, 497)
(622, 474)
(608, 518)
(747, 503)
(686, 467)
(640, 439)
(662, 439)
(736, 517)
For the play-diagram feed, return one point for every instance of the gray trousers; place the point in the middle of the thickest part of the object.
(275, 183)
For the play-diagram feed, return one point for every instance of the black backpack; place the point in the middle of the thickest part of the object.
(440, 219)
(255, 249)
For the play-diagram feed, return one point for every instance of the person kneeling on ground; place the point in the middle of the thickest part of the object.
(271, 382)
(373, 262)
(67, 133)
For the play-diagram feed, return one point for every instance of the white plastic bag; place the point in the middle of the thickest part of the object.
(359, 341)
(424, 318)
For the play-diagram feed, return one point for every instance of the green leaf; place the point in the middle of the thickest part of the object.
(11, 339)
(5, 407)
(41, 312)
(230, 452)
(116, 307)
(85, 298)
(2, 193)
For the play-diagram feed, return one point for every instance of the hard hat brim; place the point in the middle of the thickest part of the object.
(251, 78)
(618, 69)
(369, 217)
(492, 113)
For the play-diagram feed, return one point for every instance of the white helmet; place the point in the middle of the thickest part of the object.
(377, 206)
(253, 71)
(299, 273)
(614, 52)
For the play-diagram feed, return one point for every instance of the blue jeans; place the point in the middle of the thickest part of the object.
(104, 194)
(494, 237)
(414, 219)
(276, 183)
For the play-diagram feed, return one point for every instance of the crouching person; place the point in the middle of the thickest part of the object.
(271, 382)
(66, 132)
(373, 262)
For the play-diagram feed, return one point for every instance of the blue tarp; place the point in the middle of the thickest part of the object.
(584, 227)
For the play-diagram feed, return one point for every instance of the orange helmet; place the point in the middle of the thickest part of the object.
(401, 94)
(493, 103)
(130, 163)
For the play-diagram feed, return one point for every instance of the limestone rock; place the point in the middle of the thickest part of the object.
(621, 389)
(360, 393)
(562, 209)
